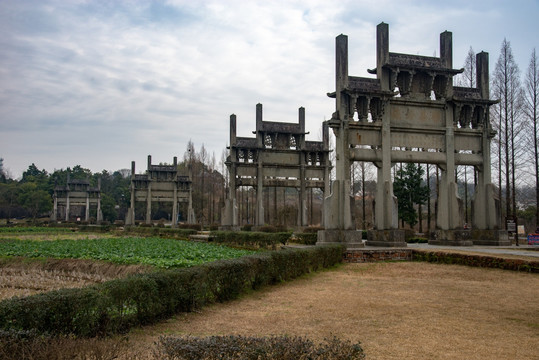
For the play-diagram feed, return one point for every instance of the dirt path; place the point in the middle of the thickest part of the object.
(396, 310)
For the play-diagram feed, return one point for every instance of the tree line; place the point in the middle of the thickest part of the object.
(32, 195)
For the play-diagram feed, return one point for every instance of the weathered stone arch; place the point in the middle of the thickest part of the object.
(450, 129)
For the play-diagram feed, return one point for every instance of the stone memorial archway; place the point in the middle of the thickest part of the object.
(411, 112)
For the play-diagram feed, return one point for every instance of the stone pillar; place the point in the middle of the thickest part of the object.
(302, 208)
(449, 220)
(485, 229)
(175, 206)
(259, 194)
(149, 201)
(339, 227)
(386, 231)
(87, 212)
(302, 195)
(327, 169)
(191, 218)
(230, 212)
(54, 216)
(67, 204)
(446, 49)
(99, 216)
(130, 217)
(382, 54)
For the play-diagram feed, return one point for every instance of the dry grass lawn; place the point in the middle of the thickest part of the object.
(24, 277)
(405, 310)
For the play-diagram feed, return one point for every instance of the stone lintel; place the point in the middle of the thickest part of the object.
(386, 238)
(491, 237)
(352, 239)
(455, 237)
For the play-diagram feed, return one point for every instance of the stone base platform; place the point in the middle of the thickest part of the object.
(229, 228)
(451, 238)
(386, 238)
(491, 237)
(470, 237)
(374, 255)
(352, 239)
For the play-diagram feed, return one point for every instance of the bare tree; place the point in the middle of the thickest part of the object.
(531, 103)
(507, 87)
(468, 76)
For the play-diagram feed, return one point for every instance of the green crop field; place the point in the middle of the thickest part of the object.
(164, 253)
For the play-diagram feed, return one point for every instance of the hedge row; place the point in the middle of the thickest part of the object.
(476, 260)
(417, 240)
(261, 348)
(251, 239)
(305, 238)
(175, 233)
(117, 305)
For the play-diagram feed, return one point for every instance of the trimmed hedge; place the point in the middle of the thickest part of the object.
(261, 348)
(417, 240)
(251, 239)
(117, 305)
(476, 260)
(305, 238)
(174, 233)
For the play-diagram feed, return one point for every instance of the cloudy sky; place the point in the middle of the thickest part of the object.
(102, 83)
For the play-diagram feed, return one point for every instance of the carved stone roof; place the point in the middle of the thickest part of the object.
(281, 127)
(470, 95)
(364, 84)
(466, 93)
(419, 61)
(167, 168)
(314, 146)
(244, 142)
(78, 182)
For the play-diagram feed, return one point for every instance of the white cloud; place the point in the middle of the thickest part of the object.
(102, 83)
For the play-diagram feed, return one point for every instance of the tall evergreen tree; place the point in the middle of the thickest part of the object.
(410, 190)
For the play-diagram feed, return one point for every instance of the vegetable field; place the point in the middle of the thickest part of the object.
(164, 253)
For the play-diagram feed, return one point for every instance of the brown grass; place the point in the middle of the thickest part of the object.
(57, 236)
(396, 310)
(23, 277)
(527, 254)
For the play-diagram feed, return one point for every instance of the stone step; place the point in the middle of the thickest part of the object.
(201, 236)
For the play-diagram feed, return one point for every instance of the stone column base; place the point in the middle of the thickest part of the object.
(451, 238)
(386, 238)
(352, 239)
(228, 228)
(491, 237)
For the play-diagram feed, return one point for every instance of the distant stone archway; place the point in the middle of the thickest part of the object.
(278, 156)
(160, 183)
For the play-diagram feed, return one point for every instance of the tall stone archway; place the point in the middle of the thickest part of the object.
(411, 112)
